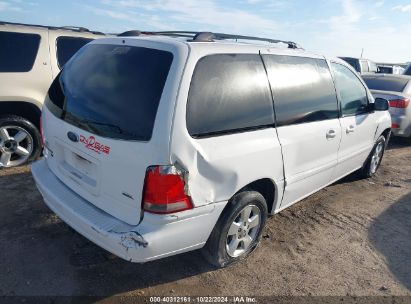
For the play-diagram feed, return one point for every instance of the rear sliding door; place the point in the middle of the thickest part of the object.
(308, 127)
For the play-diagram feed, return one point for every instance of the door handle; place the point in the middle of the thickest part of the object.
(350, 129)
(331, 134)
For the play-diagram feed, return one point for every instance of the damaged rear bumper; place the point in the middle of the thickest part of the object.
(157, 236)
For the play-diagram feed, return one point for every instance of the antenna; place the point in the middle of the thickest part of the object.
(362, 52)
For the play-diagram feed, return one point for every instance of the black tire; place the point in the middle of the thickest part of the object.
(30, 128)
(368, 171)
(215, 250)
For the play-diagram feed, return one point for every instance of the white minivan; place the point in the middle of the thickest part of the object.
(157, 145)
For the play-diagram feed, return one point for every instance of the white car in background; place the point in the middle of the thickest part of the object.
(361, 65)
(156, 145)
(390, 69)
(30, 57)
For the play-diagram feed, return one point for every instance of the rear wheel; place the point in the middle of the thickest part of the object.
(238, 231)
(375, 158)
(20, 141)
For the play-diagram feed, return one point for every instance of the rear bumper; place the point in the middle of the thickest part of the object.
(155, 237)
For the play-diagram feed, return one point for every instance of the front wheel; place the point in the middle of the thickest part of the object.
(238, 231)
(20, 141)
(374, 159)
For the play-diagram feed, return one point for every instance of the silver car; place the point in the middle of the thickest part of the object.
(397, 90)
(390, 69)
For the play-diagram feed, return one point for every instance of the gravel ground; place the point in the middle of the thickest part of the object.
(352, 238)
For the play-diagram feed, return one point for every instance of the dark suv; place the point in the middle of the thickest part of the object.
(361, 65)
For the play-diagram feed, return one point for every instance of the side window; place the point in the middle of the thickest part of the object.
(67, 47)
(18, 51)
(353, 95)
(303, 89)
(228, 92)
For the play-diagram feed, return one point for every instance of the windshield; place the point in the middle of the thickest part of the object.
(112, 90)
(386, 84)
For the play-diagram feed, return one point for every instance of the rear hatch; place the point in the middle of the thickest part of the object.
(99, 123)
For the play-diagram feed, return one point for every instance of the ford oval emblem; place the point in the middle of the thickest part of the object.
(73, 136)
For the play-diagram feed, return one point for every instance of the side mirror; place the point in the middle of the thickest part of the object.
(381, 104)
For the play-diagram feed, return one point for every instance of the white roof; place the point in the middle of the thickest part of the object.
(228, 45)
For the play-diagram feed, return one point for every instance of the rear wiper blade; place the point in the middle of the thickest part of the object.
(119, 130)
(92, 127)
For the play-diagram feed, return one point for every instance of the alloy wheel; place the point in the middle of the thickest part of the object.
(16, 146)
(376, 157)
(243, 230)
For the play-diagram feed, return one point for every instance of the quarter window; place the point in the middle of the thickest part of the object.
(228, 92)
(18, 51)
(352, 93)
(67, 47)
(303, 89)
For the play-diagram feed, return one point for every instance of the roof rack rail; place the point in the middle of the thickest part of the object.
(210, 37)
(70, 28)
(76, 28)
(130, 33)
(135, 33)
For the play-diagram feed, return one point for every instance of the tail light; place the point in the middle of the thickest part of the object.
(165, 190)
(399, 103)
(395, 126)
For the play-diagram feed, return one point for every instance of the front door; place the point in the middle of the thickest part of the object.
(358, 125)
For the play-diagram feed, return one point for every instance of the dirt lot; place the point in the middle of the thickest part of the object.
(352, 238)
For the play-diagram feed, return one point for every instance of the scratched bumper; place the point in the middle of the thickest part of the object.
(157, 236)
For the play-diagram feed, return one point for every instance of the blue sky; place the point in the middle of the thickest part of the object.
(330, 27)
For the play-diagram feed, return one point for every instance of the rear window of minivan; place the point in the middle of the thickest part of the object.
(112, 90)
